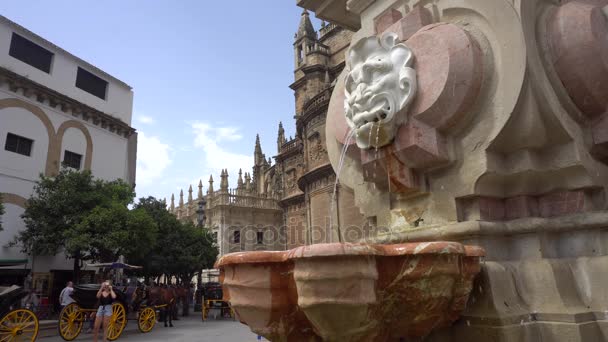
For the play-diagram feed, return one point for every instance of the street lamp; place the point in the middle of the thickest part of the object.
(199, 279)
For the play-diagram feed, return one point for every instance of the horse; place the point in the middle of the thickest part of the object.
(140, 295)
(183, 294)
(157, 296)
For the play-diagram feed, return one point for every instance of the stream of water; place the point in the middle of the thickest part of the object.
(347, 141)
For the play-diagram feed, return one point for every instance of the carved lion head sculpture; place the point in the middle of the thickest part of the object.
(379, 85)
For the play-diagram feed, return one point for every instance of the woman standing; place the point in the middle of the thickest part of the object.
(105, 297)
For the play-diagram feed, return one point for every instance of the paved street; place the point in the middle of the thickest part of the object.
(186, 329)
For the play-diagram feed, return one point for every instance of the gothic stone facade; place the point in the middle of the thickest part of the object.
(291, 202)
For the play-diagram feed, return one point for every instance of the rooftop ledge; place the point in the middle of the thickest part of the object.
(335, 11)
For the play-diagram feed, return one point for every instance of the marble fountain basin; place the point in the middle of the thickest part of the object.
(350, 292)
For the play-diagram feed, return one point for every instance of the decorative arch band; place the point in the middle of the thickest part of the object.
(13, 199)
(55, 139)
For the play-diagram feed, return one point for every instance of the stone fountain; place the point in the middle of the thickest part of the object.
(350, 292)
(478, 122)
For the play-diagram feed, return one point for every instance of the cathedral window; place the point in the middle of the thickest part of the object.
(300, 55)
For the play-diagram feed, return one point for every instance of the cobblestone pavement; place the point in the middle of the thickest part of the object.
(186, 329)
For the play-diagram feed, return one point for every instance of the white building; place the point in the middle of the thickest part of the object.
(54, 108)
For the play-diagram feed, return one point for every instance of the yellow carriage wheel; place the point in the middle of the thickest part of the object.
(118, 321)
(70, 322)
(146, 320)
(19, 325)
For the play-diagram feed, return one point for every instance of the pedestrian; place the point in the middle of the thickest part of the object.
(91, 320)
(65, 297)
(105, 298)
(30, 301)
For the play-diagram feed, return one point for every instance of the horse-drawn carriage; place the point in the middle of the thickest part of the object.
(73, 316)
(16, 324)
(213, 299)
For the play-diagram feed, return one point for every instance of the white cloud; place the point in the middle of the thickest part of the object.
(228, 134)
(152, 159)
(216, 156)
(144, 119)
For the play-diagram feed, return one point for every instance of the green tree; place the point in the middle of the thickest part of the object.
(153, 262)
(110, 231)
(191, 249)
(85, 217)
(181, 249)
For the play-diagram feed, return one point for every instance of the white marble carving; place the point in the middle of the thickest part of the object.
(380, 84)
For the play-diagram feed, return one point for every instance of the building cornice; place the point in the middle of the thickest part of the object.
(291, 200)
(35, 91)
(334, 11)
(307, 70)
(315, 174)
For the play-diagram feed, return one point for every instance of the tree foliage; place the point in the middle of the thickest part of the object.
(109, 232)
(89, 219)
(188, 250)
(181, 249)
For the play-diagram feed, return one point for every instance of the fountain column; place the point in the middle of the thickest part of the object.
(494, 135)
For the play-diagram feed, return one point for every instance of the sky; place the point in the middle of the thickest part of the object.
(206, 76)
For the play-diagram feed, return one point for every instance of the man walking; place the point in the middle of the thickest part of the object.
(65, 295)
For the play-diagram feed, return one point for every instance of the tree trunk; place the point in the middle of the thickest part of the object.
(186, 298)
(76, 270)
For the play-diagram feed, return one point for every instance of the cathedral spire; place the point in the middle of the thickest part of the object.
(240, 180)
(258, 147)
(305, 29)
(210, 188)
(281, 137)
(247, 181)
(258, 156)
(224, 181)
(200, 190)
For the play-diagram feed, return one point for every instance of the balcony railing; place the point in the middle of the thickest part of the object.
(240, 198)
(318, 100)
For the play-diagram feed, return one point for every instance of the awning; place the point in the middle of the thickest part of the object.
(114, 265)
(13, 262)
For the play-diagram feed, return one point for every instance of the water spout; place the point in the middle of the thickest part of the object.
(347, 141)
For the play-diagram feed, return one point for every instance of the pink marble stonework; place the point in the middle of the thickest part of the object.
(577, 36)
(350, 292)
